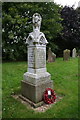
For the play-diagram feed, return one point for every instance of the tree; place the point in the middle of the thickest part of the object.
(70, 35)
(17, 24)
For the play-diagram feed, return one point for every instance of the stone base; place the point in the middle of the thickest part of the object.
(36, 79)
(35, 92)
(30, 102)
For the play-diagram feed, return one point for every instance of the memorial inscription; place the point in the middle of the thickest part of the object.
(31, 57)
(36, 58)
(40, 59)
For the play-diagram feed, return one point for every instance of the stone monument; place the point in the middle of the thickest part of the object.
(66, 55)
(74, 54)
(51, 56)
(36, 79)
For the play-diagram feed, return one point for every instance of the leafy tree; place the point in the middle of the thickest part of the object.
(17, 24)
(70, 35)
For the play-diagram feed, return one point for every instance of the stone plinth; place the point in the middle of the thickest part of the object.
(35, 92)
(37, 79)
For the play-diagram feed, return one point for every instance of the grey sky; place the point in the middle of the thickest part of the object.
(67, 2)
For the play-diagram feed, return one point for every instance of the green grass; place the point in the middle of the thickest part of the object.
(65, 77)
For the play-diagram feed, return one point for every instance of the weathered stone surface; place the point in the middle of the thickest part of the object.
(37, 57)
(37, 71)
(74, 54)
(66, 55)
(51, 56)
(35, 92)
(36, 37)
(35, 105)
(36, 80)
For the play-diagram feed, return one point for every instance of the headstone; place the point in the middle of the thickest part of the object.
(78, 54)
(66, 55)
(51, 56)
(37, 79)
(74, 54)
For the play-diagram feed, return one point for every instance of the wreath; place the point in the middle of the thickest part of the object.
(49, 96)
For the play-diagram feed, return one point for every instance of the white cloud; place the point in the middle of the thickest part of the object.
(67, 2)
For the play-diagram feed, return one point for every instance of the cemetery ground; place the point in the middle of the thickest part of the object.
(65, 77)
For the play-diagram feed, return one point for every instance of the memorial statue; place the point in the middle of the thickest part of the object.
(36, 79)
(36, 36)
(36, 21)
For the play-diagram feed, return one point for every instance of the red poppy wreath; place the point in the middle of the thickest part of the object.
(49, 96)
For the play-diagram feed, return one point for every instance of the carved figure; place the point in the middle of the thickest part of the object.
(36, 36)
(36, 21)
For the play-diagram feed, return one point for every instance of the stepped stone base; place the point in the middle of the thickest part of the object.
(35, 92)
(36, 79)
(35, 105)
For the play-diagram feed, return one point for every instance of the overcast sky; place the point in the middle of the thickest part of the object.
(67, 2)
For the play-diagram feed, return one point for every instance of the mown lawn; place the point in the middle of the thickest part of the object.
(65, 77)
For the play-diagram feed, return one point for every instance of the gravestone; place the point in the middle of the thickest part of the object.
(66, 55)
(36, 79)
(51, 56)
(74, 54)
